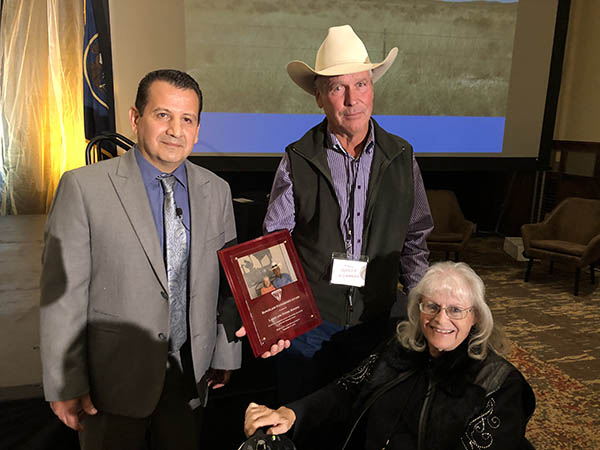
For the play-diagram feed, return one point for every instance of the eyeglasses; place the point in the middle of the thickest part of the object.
(453, 312)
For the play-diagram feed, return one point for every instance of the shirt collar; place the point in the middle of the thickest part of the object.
(150, 173)
(334, 143)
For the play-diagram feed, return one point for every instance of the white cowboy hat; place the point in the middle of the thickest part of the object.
(342, 52)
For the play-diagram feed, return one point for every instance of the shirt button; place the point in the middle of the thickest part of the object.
(358, 241)
(359, 186)
(358, 214)
(162, 336)
(164, 295)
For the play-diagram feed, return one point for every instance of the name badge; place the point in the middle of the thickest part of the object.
(349, 272)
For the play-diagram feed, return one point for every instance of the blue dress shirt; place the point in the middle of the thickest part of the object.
(155, 193)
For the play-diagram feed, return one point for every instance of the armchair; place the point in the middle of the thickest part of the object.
(451, 230)
(570, 234)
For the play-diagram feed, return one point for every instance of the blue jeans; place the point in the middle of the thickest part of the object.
(311, 342)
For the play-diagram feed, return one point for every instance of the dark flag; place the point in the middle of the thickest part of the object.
(98, 94)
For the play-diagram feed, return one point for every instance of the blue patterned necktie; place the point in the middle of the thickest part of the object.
(176, 245)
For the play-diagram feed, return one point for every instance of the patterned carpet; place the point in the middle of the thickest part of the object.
(556, 341)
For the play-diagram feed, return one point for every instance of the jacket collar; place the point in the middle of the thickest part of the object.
(198, 189)
(452, 371)
(313, 144)
(128, 183)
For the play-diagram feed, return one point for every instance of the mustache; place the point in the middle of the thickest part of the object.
(348, 112)
(171, 141)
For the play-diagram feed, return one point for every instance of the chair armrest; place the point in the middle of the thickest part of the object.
(467, 229)
(591, 253)
(532, 231)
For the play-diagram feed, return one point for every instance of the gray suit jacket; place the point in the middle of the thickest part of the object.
(104, 313)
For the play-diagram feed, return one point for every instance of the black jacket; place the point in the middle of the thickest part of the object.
(450, 402)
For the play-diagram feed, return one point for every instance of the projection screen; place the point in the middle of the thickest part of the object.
(470, 79)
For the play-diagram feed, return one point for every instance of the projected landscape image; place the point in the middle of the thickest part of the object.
(454, 61)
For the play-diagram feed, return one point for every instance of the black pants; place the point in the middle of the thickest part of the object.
(173, 425)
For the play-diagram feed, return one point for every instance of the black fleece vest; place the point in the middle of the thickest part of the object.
(317, 232)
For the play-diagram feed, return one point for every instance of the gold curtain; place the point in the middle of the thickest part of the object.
(41, 100)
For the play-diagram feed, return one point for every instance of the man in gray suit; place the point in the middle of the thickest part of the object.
(121, 358)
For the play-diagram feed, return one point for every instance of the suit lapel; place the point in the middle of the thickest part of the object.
(127, 181)
(199, 211)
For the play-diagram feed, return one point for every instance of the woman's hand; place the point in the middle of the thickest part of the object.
(258, 416)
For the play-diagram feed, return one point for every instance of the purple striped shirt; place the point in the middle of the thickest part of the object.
(351, 176)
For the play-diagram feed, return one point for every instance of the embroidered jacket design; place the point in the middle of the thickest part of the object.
(358, 375)
(478, 434)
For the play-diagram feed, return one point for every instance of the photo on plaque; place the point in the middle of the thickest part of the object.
(267, 270)
(270, 289)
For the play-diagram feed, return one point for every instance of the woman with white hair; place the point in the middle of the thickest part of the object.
(440, 384)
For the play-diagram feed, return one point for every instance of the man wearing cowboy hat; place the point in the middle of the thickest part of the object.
(281, 279)
(352, 195)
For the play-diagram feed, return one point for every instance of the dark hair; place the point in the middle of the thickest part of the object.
(174, 77)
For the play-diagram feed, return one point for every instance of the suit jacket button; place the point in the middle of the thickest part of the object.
(164, 295)
(162, 336)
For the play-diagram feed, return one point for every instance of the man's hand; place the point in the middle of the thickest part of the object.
(258, 416)
(275, 348)
(217, 378)
(71, 412)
